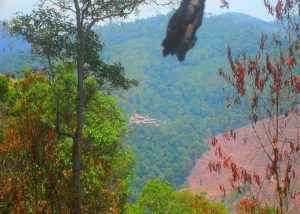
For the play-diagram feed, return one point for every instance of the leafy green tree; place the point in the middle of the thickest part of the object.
(3, 88)
(50, 33)
(86, 14)
(182, 202)
(156, 196)
(29, 173)
(201, 205)
(36, 168)
(52, 36)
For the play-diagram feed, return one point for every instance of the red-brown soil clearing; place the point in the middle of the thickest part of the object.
(246, 150)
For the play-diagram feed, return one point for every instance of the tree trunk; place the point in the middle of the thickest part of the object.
(79, 115)
(78, 136)
(78, 133)
(276, 158)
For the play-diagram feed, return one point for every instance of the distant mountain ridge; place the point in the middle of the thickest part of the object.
(15, 46)
(155, 27)
(240, 18)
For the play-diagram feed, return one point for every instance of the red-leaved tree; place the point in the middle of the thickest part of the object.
(267, 85)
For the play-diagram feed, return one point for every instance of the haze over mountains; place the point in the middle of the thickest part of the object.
(188, 96)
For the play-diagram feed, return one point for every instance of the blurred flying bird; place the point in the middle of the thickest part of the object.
(224, 4)
(182, 28)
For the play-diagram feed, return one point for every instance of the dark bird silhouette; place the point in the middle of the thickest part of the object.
(224, 4)
(182, 28)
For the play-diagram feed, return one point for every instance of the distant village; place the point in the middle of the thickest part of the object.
(144, 119)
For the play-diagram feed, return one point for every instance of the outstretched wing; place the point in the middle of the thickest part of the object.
(182, 28)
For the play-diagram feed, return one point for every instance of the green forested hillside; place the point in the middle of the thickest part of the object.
(188, 95)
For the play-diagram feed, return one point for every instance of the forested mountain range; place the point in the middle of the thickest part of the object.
(188, 96)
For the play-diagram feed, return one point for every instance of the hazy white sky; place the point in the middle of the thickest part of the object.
(251, 7)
